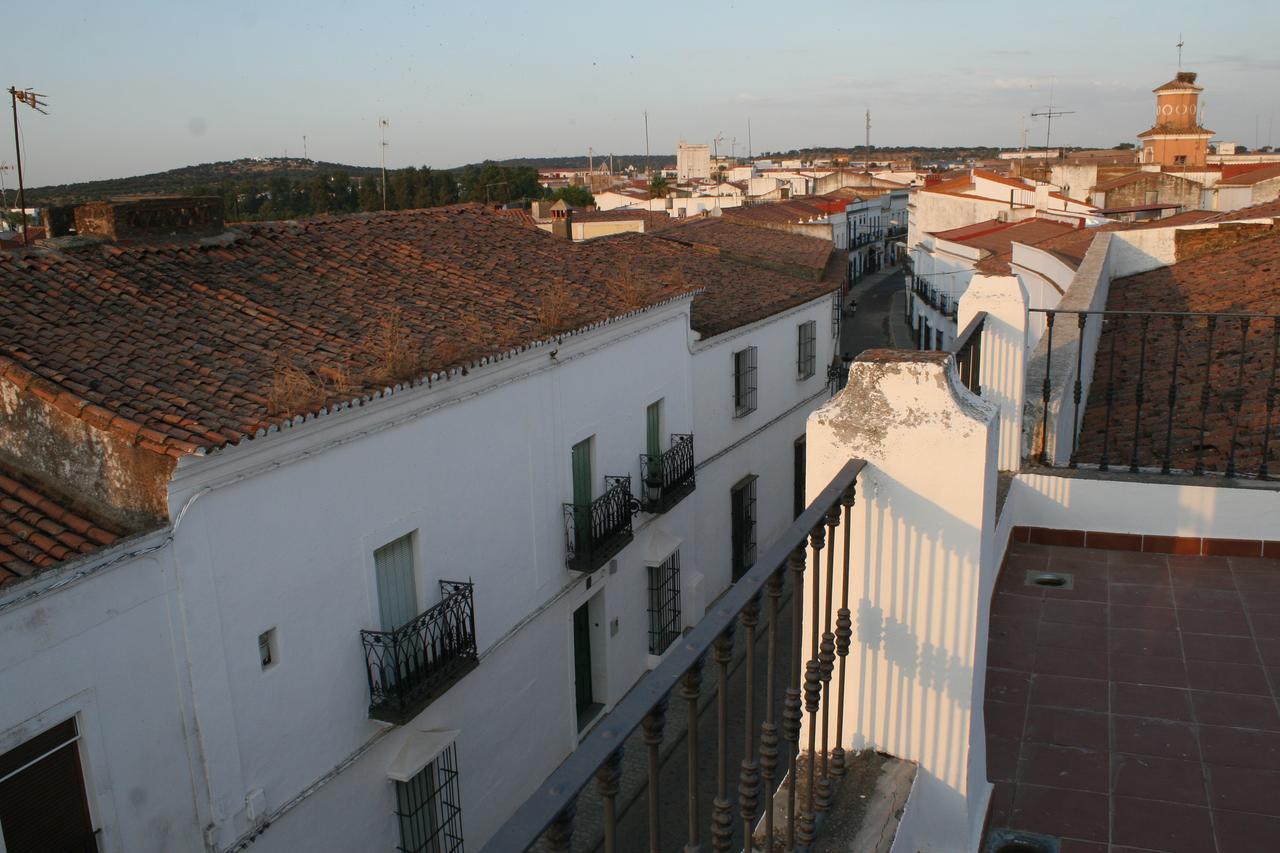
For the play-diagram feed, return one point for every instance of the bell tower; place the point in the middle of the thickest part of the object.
(1177, 140)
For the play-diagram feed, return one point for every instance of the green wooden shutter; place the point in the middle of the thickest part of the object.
(582, 492)
(653, 429)
(397, 588)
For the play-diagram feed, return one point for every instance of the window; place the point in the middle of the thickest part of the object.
(807, 349)
(744, 382)
(42, 798)
(937, 339)
(664, 604)
(429, 808)
(267, 648)
(397, 585)
(742, 500)
(1180, 160)
(797, 473)
(653, 429)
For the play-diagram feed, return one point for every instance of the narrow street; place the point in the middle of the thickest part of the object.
(879, 320)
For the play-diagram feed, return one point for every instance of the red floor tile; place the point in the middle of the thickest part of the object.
(1151, 575)
(1142, 700)
(1153, 825)
(1266, 625)
(1141, 595)
(1065, 635)
(1240, 747)
(1233, 709)
(1064, 767)
(1002, 758)
(1239, 832)
(1261, 602)
(1159, 738)
(1053, 660)
(1225, 649)
(1005, 719)
(1270, 651)
(1005, 685)
(1227, 677)
(1144, 618)
(1211, 579)
(1194, 598)
(1075, 612)
(1056, 811)
(1141, 669)
(1150, 777)
(1130, 641)
(1245, 789)
(1064, 727)
(1082, 694)
(1222, 622)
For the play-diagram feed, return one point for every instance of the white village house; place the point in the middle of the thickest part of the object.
(340, 534)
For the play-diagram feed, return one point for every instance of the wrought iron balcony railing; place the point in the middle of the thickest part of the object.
(968, 353)
(665, 479)
(808, 670)
(414, 664)
(598, 530)
(1168, 391)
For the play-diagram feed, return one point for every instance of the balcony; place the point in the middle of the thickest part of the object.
(668, 477)
(594, 533)
(411, 666)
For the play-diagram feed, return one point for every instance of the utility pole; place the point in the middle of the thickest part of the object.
(648, 166)
(866, 165)
(304, 146)
(31, 99)
(749, 156)
(1180, 43)
(382, 131)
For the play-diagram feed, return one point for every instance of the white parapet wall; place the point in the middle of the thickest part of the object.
(1003, 354)
(922, 564)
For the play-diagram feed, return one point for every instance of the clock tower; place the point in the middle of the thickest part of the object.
(1177, 139)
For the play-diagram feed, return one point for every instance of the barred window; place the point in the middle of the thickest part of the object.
(744, 382)
(430, 809)
(664, 604)
(807, 349)
(742, 499)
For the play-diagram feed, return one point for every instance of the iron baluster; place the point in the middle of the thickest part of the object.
(607, 783)
(844, 634)
(1046, 391)
(826, 659)
(1272, 393)
(1105, 463)
(1138, 394)
(1081, 319)
(813, 692)
(1167, 464)
(690, 687)
(769, 728)
(560, 833)
(1211, 325)
(791, 708)
(653, 724)
(721, 816)
(1239, 392)
(749, 775)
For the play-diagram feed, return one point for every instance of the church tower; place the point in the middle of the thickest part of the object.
(1177, 139)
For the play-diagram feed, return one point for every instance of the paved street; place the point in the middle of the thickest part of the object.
(879, 320)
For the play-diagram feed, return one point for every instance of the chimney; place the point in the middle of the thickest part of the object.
(562, 226)
(59, 220)
(1042, 197)
(149, 217)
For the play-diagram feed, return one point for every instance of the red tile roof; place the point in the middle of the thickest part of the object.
(1256, 211)
(996, 238)
(746, 241)
(654, 220)
(184, 348)
(38, 532)
(1252, 176)
(1252, 270)
(1071, 247)
(794, 211)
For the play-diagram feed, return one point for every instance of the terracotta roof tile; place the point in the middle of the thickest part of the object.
(746, 241)
(1252, 176)
(37, 532)
(1071, 247)
(185, 348)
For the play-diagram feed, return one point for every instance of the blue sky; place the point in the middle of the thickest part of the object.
(139, 87)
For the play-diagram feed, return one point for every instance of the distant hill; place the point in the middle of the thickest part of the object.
(187, 178)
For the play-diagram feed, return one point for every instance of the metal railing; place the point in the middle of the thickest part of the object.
(967, 350)
(417, 662)
(549, 813)
(596, 531)
(667, 478)
(944, 303)
(1171, 391)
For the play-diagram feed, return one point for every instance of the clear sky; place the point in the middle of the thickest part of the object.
(139, 87)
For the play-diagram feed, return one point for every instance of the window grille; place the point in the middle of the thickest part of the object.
(430, 809)
(664, 604)
(807, 349)
(744, 382)
(743, 503)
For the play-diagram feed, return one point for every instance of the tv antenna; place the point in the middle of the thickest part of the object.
(383, 124)
(1180, 43)
(31, 99)
(1049, 114)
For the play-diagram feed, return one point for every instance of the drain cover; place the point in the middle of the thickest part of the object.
(1050, 580)
(1016, 841)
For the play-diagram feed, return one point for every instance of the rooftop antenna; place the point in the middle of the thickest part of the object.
(4, 193)
(304, 146)
(1049, 114)
(648, 167)
(866, 164)
(31, 99)
(749, 155)
(383, 124)
(1180, 43)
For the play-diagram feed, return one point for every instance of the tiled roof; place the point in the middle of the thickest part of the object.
(761, 243)
(38, 532)
(1256, 211)
(1252, 270)
(654, 220)
(1071, 247)
(1252, 176)
(794, 211)
(184, 348)
(998, 239)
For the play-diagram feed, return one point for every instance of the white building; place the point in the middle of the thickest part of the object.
(692, 161)
(223, 658)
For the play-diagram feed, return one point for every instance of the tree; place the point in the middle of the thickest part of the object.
(658, 186)
(574, 195)
(1123, 146)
